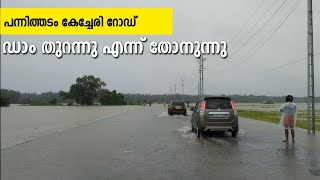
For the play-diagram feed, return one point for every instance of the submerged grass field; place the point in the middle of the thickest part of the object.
(274, 117)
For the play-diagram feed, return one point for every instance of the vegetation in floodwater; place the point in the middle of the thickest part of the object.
(274, 117)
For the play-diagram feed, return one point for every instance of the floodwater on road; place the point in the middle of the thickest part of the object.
(146, 143)
(20, 124)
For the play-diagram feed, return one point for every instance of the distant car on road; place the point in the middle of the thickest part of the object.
(177, 107)
(215, 114)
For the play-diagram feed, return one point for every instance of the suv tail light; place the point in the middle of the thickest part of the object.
(234, 108)
(203, 107)
(233, 105)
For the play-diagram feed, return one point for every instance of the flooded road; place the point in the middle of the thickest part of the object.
(145, 143)
(20, 124)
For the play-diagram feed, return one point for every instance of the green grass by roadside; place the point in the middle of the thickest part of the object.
(274, 117)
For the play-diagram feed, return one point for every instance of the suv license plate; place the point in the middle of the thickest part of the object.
(219, 116)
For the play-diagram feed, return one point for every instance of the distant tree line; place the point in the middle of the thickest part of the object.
(194, 98)
(90, 90)
(15, 97)
(87, 90)
(107, 97)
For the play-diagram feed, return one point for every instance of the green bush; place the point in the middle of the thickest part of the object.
(5, 101)
(53, 101)
(111, 98)
(26, 101)
(39, 103)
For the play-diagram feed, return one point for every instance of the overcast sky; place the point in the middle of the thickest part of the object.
(206, 20)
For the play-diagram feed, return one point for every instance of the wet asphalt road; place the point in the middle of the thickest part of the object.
(148, 144)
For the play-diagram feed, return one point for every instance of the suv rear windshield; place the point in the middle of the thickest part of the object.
(178, 103)
(215, 103)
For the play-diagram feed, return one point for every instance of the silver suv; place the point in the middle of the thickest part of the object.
(215, 114)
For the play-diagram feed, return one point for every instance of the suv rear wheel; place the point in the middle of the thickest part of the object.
(234, 133)
(198, 131)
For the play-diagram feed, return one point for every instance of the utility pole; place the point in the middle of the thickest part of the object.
(199, 90)
(182, 88)
(199, 83)
(311, 100)
(201, 69)
(202, 88)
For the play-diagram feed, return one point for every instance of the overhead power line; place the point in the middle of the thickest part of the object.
(275, 68)
(273, 15)
(261, 43)
(247, 22)
(269, 8)
(290, 63)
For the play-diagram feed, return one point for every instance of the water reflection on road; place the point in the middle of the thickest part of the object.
(145, 143)
(260, 148)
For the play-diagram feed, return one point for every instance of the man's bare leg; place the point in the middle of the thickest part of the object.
(292, 134)
(287, 135)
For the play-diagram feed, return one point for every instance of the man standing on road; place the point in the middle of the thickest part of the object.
(289, 117)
